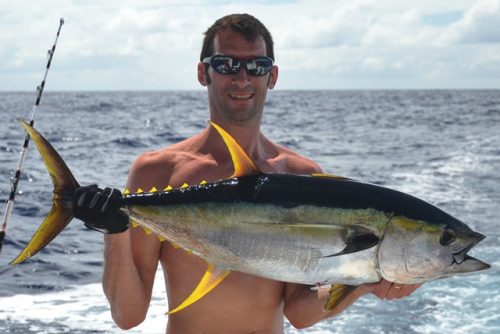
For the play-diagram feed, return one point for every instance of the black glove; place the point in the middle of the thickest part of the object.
(100, 209)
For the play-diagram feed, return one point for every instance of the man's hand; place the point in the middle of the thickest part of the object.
(388, 290)
(99, 209)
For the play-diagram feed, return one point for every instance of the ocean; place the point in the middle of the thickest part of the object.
(440, 145)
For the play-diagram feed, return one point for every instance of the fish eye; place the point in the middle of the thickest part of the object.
(447, 237)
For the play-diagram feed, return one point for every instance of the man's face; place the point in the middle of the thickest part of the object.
(237, 98)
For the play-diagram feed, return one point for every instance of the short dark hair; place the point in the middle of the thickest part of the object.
(245, 24)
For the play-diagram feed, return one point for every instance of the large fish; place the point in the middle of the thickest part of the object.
(318, 229)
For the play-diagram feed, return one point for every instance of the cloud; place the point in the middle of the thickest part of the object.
(479, 24)
(126, 44)
(342, 25)
(388, 44)
(390, 23)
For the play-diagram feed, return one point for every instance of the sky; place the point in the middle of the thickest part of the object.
(350, 44)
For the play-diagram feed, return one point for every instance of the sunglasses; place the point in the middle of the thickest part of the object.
(256, 66)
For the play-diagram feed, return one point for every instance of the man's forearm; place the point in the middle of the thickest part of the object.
(122, 283)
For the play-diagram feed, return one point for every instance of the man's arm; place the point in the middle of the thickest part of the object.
(130, 261)
(129, 275)
(304, 307)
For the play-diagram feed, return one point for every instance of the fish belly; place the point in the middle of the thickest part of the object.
(287, 244)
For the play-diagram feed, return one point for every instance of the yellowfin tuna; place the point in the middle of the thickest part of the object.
(317, 230)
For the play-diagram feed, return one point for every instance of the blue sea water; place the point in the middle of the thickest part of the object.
(442, 146)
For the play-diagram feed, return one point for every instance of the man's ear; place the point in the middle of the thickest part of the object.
(273, 78)
(202, 75)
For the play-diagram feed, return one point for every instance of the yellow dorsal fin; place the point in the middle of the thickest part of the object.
(243, 165)
(168, 188)
(331, 176)
(126, 191)
(184, 185)
(139, 191)
(213, 277)
(153, 190)
(203, 182)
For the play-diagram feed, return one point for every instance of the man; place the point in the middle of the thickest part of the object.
(241, 303)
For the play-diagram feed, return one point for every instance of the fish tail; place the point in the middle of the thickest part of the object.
(65, 186)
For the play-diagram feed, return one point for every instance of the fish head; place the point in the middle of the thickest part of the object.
(415, 251)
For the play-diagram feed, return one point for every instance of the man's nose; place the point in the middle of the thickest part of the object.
(241, 77)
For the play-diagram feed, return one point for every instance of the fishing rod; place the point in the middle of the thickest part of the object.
(14, 181)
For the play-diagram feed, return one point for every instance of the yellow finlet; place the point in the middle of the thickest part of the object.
(139, 191)
(213, 277)
(338, 292)
(162, 239)
(153, 190)
(331, 176)
(168, 188)
(243, 164)
(146, 230)
(133, 224)
(126, 191)
(184, 186)
(203, 182)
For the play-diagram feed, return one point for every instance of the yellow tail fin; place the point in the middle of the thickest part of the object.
(62, 208)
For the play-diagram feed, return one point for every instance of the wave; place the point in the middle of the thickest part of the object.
(78, 309)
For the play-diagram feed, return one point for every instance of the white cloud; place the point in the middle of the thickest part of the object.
(480, 24)
(340, 25)
(318, 44)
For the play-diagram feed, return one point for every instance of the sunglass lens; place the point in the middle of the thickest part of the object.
(259, 66)
(229, 65)
(224, 64)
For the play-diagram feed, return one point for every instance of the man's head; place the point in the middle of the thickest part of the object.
(236, 68)
(245, 24)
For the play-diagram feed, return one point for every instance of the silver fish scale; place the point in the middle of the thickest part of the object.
(290, 244)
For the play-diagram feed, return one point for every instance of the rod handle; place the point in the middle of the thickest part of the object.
(2, 236)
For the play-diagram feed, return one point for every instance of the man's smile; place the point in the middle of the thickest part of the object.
(240, 96)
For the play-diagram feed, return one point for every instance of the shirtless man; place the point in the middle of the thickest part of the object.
(241, 303)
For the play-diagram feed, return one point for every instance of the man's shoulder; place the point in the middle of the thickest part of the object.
(158, 166)
(150, 160)
(167, 156)
(295, 163)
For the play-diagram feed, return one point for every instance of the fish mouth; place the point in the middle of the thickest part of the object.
(461, 258)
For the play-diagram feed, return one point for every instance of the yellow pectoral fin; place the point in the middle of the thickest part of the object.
(338, 292)
(213, 277)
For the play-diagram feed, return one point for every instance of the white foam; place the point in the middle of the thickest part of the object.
(78, 307)
(449, 306)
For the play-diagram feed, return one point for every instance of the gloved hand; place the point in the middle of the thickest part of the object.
(99, 209)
